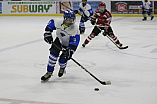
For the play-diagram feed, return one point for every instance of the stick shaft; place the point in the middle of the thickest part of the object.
(81, 66)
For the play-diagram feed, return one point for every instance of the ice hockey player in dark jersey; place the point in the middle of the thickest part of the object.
(67, 39)
(102, 18)
(146, 8)
(86, 13)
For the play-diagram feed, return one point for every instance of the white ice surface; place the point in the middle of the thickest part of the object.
(132, 72)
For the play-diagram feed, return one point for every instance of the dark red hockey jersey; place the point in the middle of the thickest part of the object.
(102, 19)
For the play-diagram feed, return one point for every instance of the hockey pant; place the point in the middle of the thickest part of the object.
(146, 11)
(54, 54)
(96, 31)
(82, 25)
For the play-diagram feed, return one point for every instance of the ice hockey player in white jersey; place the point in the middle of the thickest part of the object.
(146, 8)
(67, 39)
(86, 13)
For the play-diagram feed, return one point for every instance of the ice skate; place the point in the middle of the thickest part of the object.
(82, 31)
(47, 76)
(144, 19)
(120, 44)
(83, 45)
(152, 17)
(61, 72)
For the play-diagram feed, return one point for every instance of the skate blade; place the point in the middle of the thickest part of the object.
(44, 81)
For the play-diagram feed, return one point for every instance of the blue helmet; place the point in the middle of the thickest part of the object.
(68, 14)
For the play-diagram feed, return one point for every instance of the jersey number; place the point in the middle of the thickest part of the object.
(74, 40)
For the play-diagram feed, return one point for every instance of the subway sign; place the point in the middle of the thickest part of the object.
(29, 7)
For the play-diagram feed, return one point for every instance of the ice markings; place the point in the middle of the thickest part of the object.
(154, 50)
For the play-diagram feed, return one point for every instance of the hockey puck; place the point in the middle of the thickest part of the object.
(96, 89)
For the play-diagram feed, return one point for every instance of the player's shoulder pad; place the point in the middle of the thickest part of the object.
(74, 30)
(108, 13)
(51, 25)
(97, 12)
(58, 22)
(149, 2)
(88, 6)
(51, 22)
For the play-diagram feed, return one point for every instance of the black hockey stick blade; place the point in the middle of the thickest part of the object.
(103, 83)
(123, 47)
(106, 83)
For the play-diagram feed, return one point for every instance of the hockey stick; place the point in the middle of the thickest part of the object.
(73, 10)
(112, 40)
(66, 6)
(102, 82)
(116, 44)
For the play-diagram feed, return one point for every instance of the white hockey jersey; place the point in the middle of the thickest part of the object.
(86, 9)
(146, 5)
(69, 35)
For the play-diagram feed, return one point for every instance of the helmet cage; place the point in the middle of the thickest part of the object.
(102, 7)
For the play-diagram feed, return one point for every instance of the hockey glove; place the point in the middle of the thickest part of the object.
(76, 11)
(106, 28)
(84, 19)
(93, 21)
(105, 31)
(69, 52)
(48, 38)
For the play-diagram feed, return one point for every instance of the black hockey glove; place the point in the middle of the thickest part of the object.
(84, 19)
(76, 11)
(69, 53)
(93, 21)
(150, 10)
(105, 31)
(48, 38)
